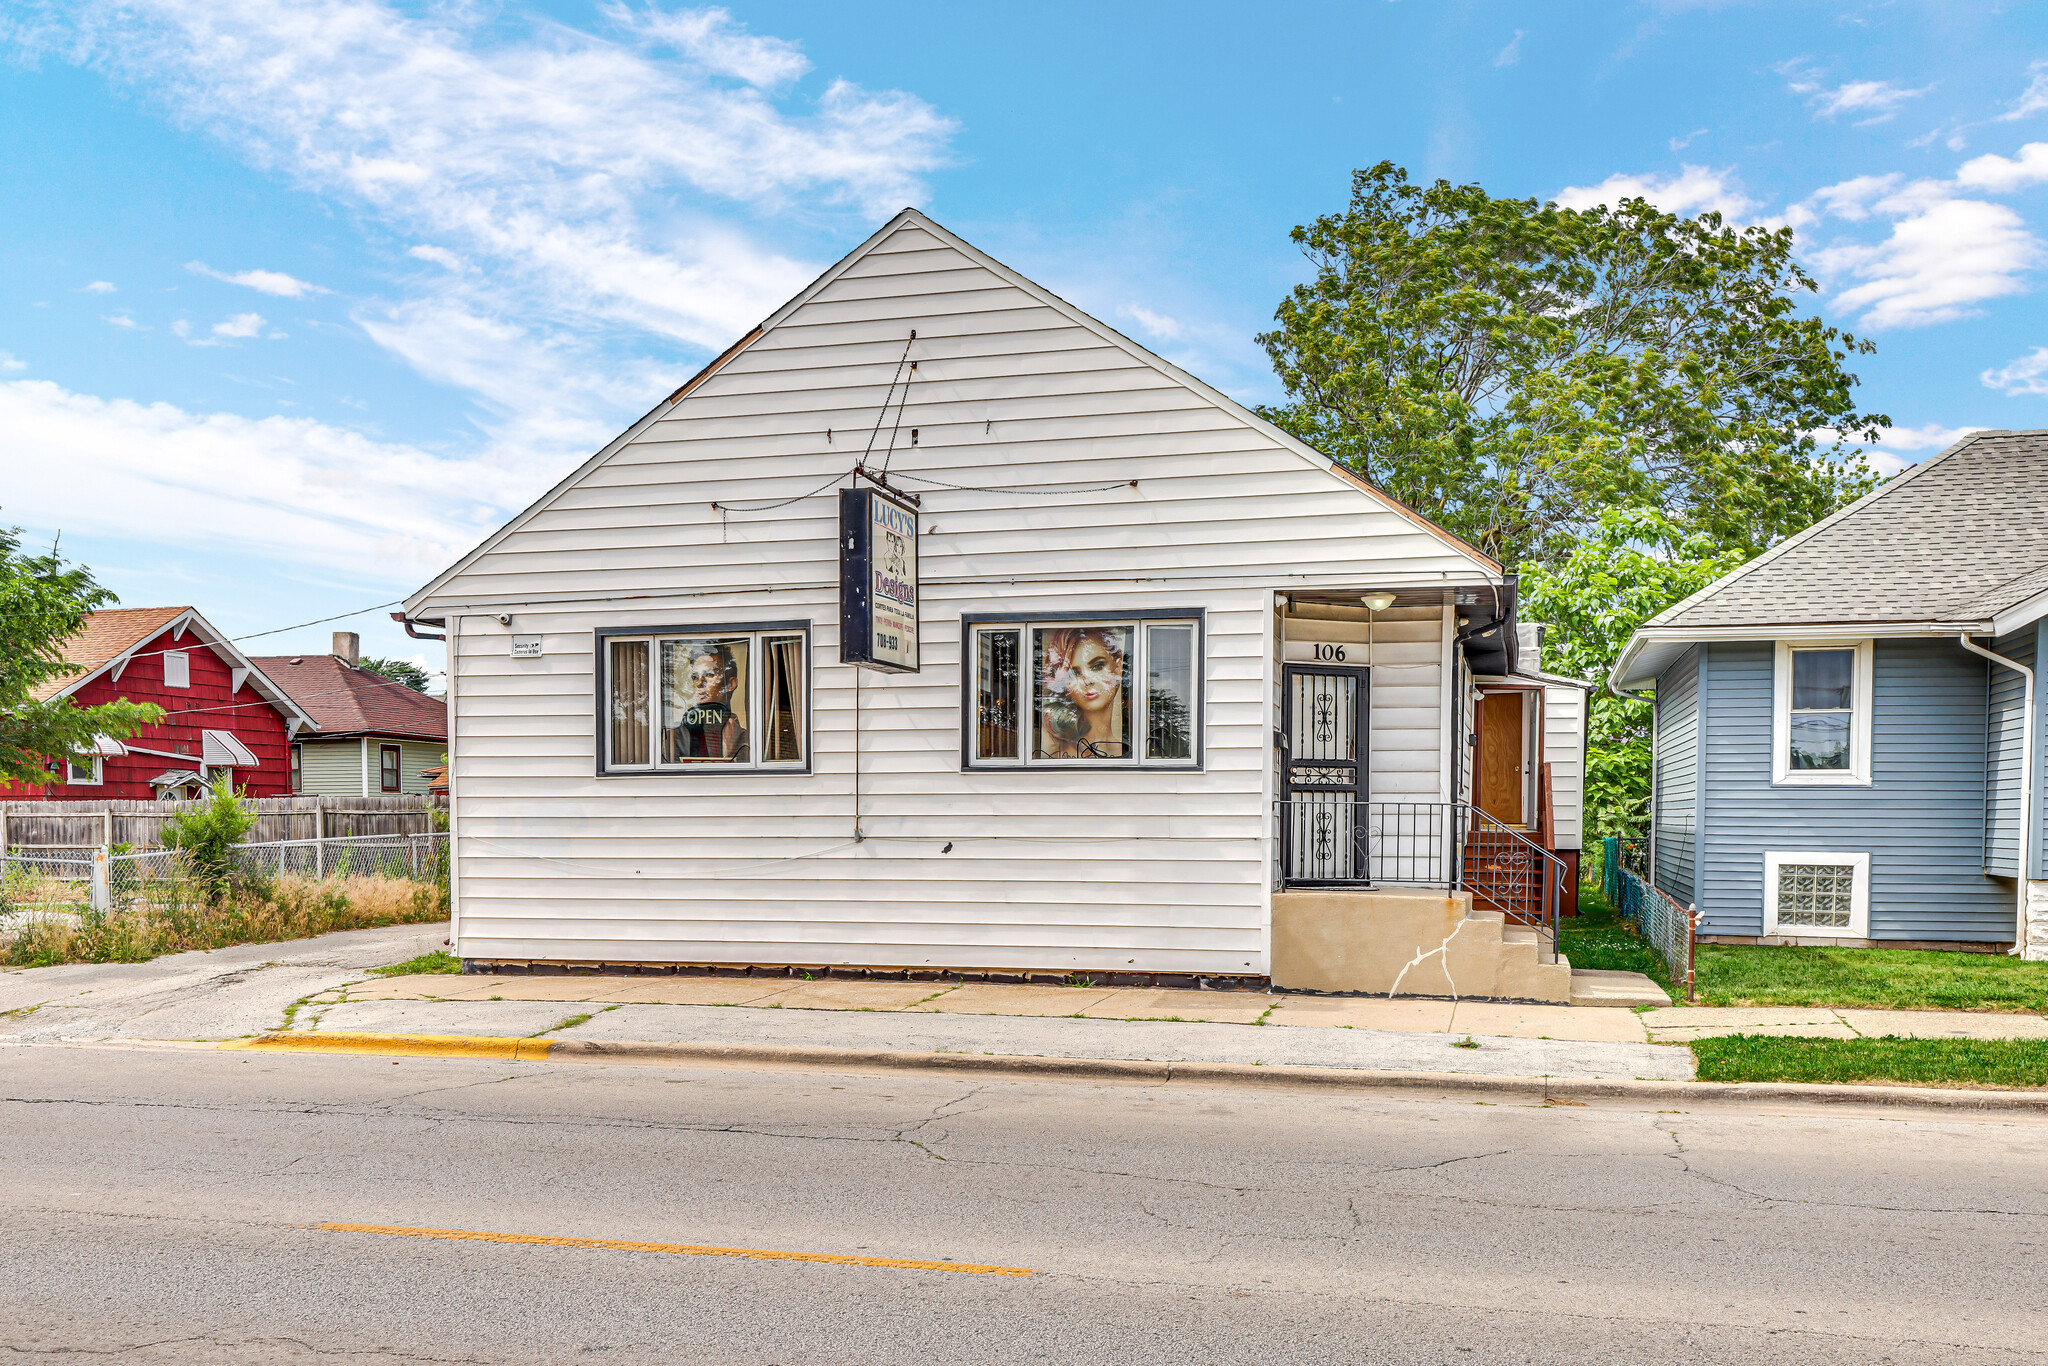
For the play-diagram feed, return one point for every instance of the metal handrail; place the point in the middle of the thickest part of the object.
(1424, 844)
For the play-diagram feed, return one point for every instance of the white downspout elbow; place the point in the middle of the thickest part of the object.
(2019, 946)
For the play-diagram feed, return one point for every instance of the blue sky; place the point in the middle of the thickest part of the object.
(303, 299)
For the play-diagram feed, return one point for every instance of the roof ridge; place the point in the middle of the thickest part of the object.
(1892, 485)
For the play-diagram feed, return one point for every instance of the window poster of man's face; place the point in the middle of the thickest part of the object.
(703, 701)
(1083, 708)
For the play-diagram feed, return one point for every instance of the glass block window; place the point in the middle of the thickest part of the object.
(1816, 895)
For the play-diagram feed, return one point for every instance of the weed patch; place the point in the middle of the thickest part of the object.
(438, 961)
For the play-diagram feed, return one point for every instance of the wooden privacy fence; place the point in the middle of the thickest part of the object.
(87, 825)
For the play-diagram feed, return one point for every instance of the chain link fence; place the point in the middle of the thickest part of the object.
(42, 882)
(1670, 928)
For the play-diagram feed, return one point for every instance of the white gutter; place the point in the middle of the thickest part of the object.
(2026, 785)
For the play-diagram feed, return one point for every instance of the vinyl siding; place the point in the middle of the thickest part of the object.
(1921, 820)
(332, 768)
(1405, 675)
(1564, 749)
(2004, 732)
(1103, 870)
(1677, 745)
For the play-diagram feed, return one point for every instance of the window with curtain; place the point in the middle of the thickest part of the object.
(1084, 693)
(707, 700)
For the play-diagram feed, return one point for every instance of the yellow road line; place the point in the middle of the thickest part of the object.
(402, 1045)
(681, 1249)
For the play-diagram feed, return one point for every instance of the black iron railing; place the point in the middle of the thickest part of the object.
(1330, 839)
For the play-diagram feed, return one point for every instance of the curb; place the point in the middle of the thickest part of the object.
(1156, 1073)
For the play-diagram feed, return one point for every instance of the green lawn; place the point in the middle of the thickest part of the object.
(1758, 975)
(1598, 938)
(1886, 979)
(1915, 1062)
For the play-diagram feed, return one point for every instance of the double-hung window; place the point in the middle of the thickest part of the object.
(1084, 692)
(1822, 706)
(704, 699)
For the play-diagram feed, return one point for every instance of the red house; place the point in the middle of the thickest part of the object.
(220, 713)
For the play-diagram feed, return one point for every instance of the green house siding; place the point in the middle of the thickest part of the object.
(334, 768)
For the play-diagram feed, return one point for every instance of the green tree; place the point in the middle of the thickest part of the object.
(1637, 563)
(1507, 367)
(400, 671)
(43, 603)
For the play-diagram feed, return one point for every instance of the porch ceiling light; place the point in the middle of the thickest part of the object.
(1377, 602)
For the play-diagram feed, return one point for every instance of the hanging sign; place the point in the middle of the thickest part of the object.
(877, 581)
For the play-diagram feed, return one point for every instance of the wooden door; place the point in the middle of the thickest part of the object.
(1497, 776)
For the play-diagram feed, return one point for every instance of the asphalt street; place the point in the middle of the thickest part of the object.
(164, 1203)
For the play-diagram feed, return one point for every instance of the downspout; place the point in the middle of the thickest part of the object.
(2019, 938)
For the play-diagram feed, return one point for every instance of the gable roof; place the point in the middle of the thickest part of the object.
(911, 217)
(107, 637)
(113, 636)
(346, 700)
(1948, 546)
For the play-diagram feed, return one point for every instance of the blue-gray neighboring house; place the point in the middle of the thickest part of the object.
(1849, 730)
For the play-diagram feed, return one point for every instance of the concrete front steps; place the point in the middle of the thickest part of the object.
(1410, 942)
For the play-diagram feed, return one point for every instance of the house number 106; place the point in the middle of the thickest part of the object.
(1332, 653)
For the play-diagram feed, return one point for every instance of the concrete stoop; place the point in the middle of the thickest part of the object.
(1410, 943)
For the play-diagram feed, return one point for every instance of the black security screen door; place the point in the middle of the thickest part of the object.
(1323, 774)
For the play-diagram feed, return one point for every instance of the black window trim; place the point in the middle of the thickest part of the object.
(603, 668)
(971, 621)
(397, 767)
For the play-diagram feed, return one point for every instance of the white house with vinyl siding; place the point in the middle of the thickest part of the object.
(658, 759)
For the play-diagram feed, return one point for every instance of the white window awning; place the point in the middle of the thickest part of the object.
(220, 749)
(113, 749)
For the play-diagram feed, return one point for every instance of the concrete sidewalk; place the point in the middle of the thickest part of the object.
(1673, 1024)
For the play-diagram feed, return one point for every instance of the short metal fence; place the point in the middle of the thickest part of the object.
(1671, 929)
(41, 880)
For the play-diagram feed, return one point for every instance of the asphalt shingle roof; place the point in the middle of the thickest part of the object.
(105, 635)
(344, 700)
(1957, 538)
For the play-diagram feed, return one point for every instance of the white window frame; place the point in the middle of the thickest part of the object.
(755, 633)
(1138, 668)
(183, 660)
(96, 767)
(1861, 704)
(1859, 905)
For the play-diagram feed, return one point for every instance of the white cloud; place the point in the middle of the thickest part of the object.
(263, 281)
(1694, 190)
(10, 364)
(122, 320)
(297, 490)
(2033, 99)
(1156, 325)
(568, 160)
(711, 38)
(1879, 100)
(1512, 53)
(241, 325)
(2027, 375)
(99, 287)
(1945, 254)
(440, 256)
(1887, 454)
(2002, 175)
(1680, 144)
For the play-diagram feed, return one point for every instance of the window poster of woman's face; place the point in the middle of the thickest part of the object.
(703, 700)
(1083, 709)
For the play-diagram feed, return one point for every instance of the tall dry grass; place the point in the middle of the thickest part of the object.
(171, 919)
